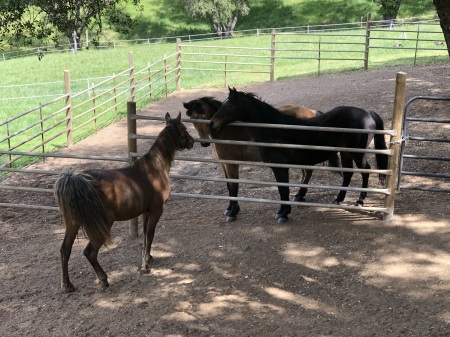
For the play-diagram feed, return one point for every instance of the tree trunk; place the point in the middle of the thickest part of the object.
(443, 10)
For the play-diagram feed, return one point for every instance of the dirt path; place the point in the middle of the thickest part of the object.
(324, 273)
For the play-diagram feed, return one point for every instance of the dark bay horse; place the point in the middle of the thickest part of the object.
(204, 108)
(246, 107)
(94, 199)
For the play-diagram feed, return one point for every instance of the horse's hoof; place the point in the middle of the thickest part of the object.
(104, 285)
(336, 202)
(227, 212)
(282, 219)
(68, 288)
(231, 219)
(359, 203)
(298, 199)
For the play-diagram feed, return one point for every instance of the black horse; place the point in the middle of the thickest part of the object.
(205, 108)
(246, 107)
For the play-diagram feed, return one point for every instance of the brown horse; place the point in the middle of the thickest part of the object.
(94, 199)
(205, 108)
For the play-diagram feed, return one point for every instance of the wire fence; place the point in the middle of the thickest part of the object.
(87, 43)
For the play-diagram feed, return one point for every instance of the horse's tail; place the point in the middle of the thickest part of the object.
(380, 144)
(81, 205)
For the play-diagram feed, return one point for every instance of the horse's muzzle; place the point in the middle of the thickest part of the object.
(213, 127)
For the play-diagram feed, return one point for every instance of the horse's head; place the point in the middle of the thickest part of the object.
(229, 112)
(185, 141)
(202, 108)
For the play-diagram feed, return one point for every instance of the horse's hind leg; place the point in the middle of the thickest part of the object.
(306, 177)
(66, 250)
(363, 164)
(91, 253)
(232, 172)
(149, 233)
(347, 162)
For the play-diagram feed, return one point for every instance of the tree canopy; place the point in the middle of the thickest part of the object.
(26, 20)
(221, 14)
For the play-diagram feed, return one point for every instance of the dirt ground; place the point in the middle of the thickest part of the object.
(326, 272)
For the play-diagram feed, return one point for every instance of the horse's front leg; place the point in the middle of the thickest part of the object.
(66, 250)
(232, 172)
(306, 177)
(149, 234)
(282, 176)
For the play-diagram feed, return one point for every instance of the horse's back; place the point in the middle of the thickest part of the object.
(347, 117)
(128, 192)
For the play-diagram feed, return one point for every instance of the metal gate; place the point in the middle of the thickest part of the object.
(441, 138)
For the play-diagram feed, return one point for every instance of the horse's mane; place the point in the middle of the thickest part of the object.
(162, 152)
(206, 103)
(271, 113)
(209, 101)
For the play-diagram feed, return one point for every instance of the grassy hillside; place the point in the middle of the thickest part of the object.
(167, 18)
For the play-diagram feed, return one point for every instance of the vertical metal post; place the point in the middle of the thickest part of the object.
(225, 70)
(417, 44)
(318, 59)
(178, 64)
(395, 142)
(115, 97)
(132, 83)
(93, 102)
(272, 57)
(367, 45)
(132, 148)
(8, 134)
(42, 128)
(150, 81)
(68, 107)
(165, 74)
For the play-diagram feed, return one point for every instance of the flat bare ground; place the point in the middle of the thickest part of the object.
(326, 272)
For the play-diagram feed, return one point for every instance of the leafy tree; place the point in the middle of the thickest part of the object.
(221, 14)
(25, 20)
(389, 8)
(443, 11)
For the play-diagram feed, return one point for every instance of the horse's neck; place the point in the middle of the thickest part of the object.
(161, 153)
(265, 113)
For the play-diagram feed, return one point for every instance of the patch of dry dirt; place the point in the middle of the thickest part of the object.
(324, 273)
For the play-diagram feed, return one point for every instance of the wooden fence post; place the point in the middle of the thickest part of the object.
(132, 148)
(178, 64)
(366, 49)
(132, 83)
(272, 57)
(68, 107)
(395, 142)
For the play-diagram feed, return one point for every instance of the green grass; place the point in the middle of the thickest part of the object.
(91, 66)
(167, 17)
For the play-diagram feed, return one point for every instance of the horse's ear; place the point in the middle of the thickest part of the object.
(167, 118)
(186, 105)
(178, 119)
